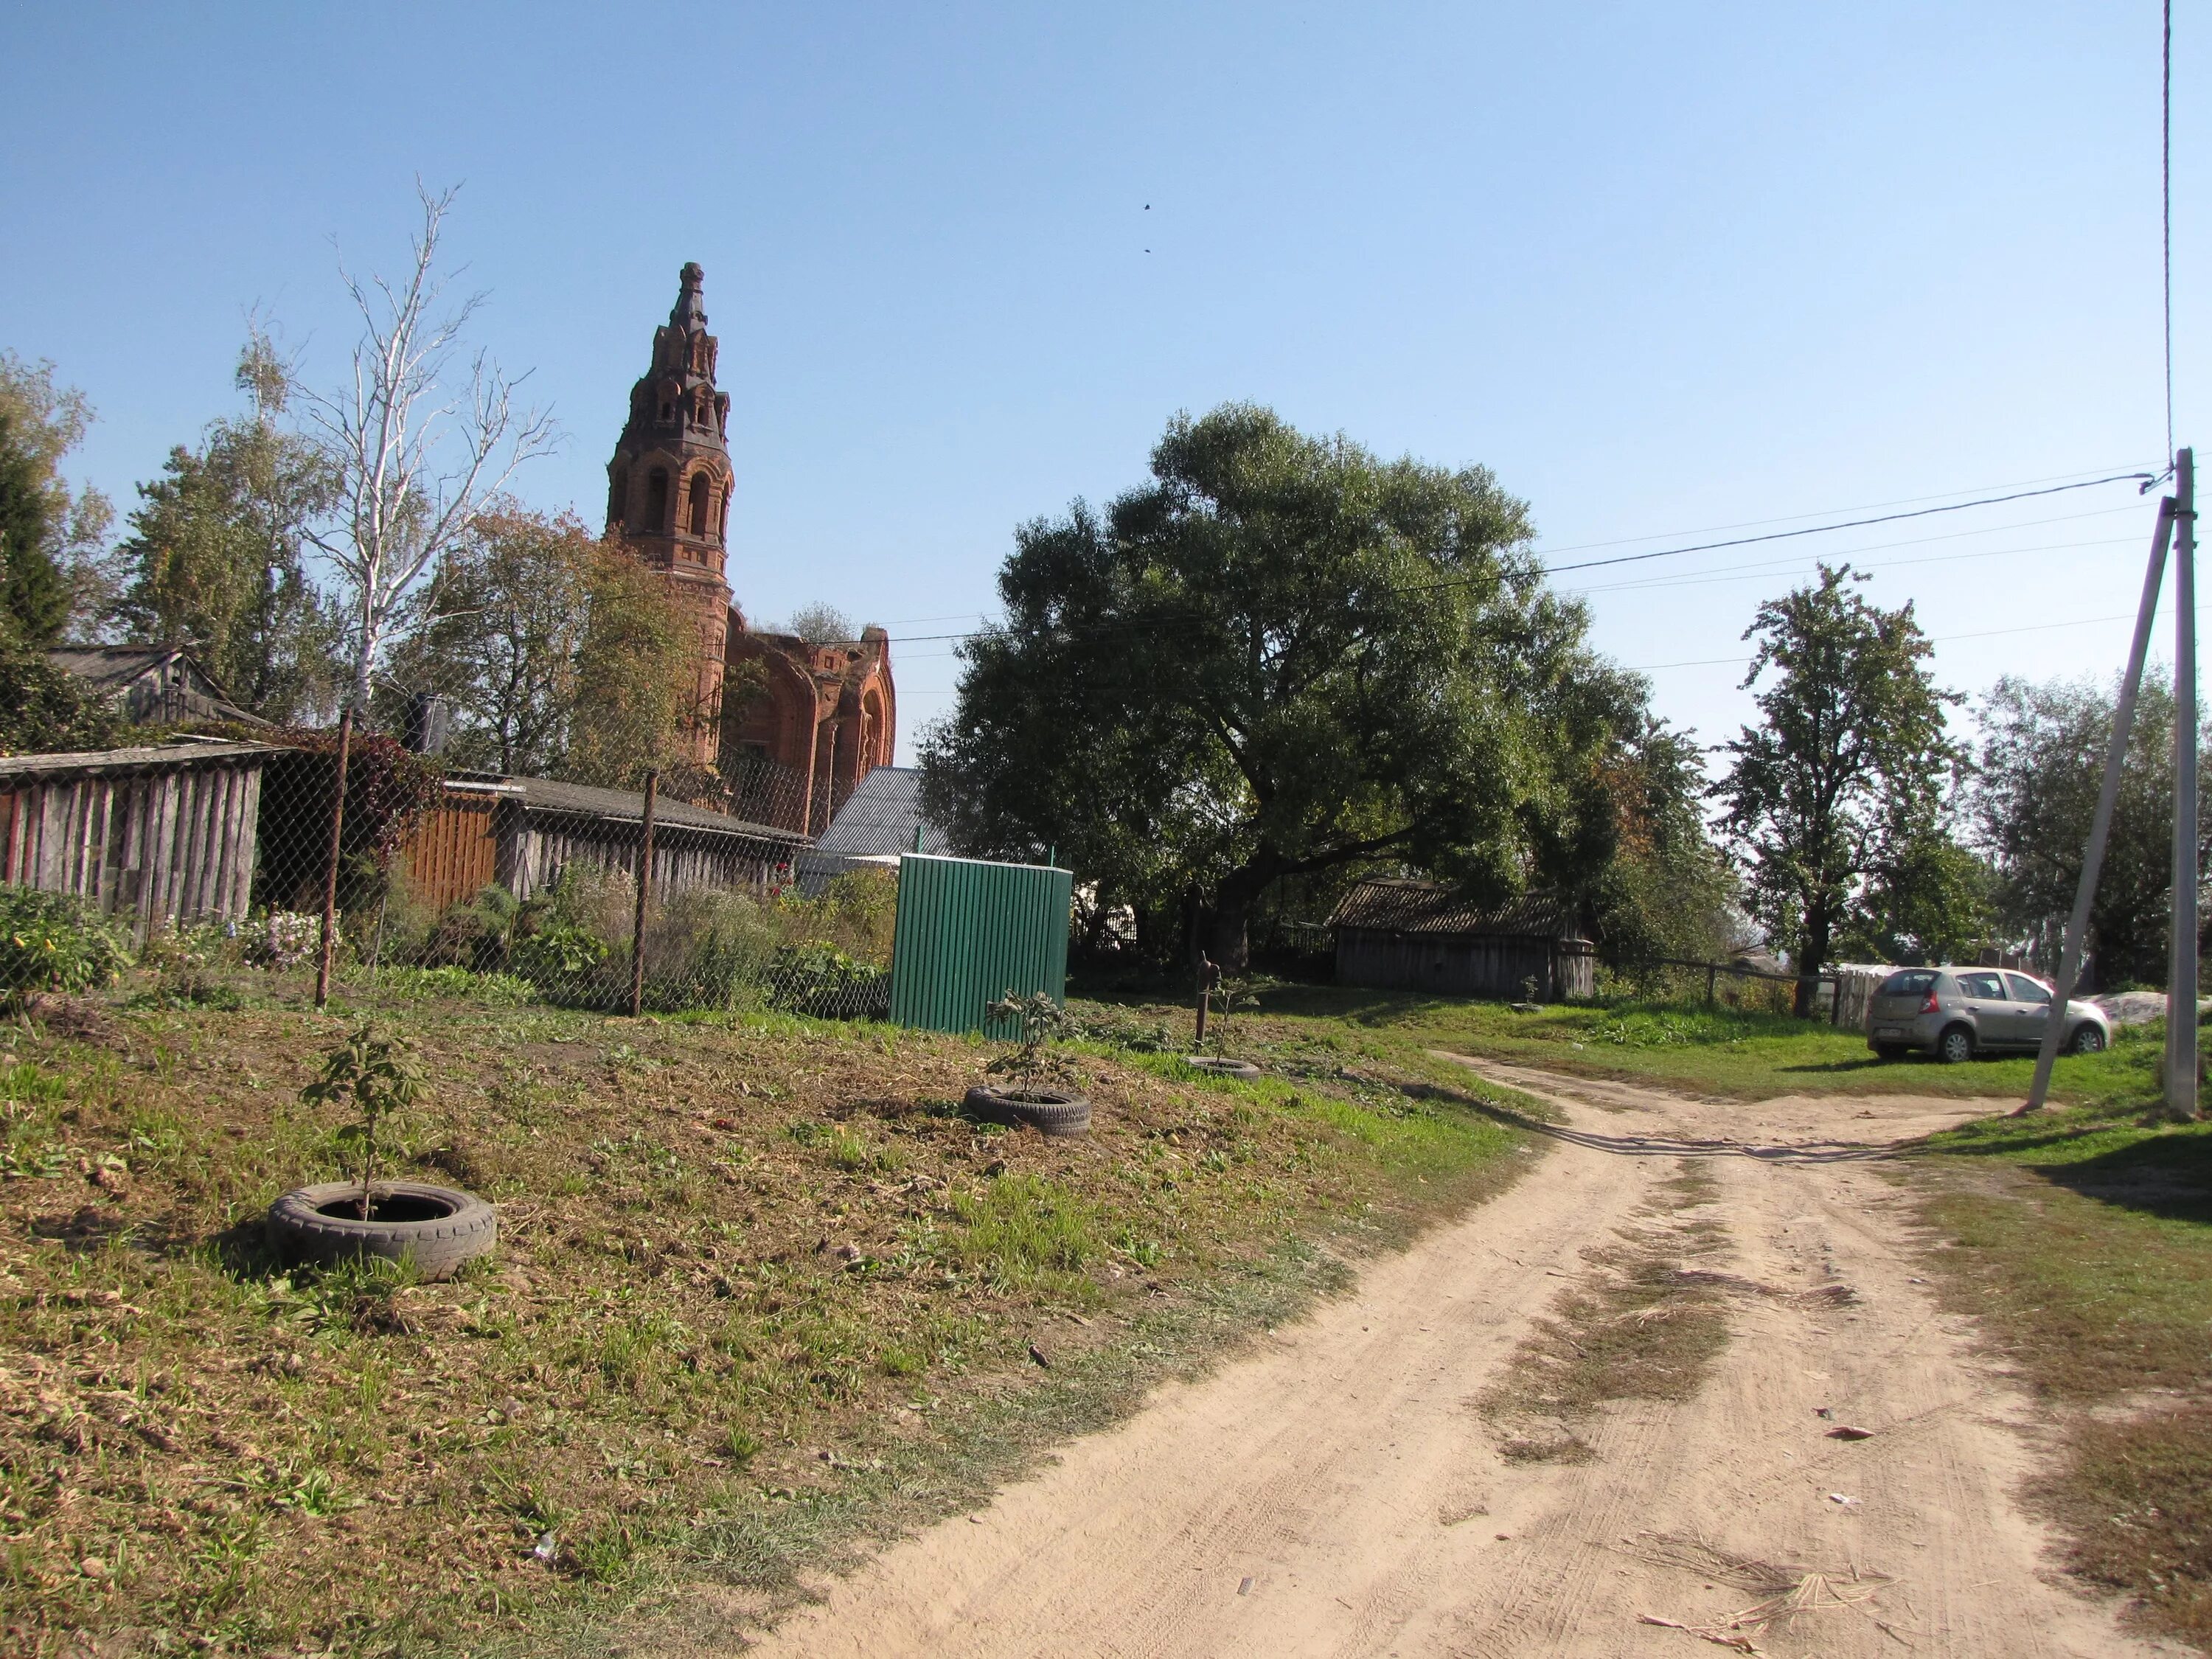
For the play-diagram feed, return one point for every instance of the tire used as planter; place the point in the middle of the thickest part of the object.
(1222, 1066)
(1049, 1113)
(441, 1227)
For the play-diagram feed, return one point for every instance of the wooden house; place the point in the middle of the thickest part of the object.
(1416, 936)
(151, 684)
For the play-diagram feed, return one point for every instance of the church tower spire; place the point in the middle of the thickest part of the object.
(668, 490)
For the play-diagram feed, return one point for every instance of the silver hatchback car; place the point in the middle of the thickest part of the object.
(1954, 1014)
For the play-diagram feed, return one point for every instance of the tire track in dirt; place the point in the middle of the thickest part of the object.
(1341, 1468)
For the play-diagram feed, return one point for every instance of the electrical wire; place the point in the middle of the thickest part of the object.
(1157, 619)
(2165, 204)
(1933, 639)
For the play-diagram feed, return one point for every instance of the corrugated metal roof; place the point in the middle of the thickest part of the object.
(125, 760)
(878, 818)
(623, 805)
(1421, 907)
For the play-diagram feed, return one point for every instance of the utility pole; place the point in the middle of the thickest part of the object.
(2100, 827)
(2181, 1049)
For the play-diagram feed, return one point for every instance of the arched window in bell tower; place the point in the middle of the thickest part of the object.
(618, 497)
(701, 498)
(722, 534)
(656, 500)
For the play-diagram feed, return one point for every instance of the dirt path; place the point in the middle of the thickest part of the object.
(1334, 1494)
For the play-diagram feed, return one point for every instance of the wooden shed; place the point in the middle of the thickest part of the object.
(151, 684)
(165, 834)
(523, 832)
(1416, 936)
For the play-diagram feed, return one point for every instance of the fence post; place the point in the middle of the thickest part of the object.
(644, 895)
(331, 872)
(1712, 974)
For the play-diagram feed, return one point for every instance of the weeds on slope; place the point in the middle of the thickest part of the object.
(762, 1291)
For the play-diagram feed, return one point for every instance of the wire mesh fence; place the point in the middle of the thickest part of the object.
(203, 871)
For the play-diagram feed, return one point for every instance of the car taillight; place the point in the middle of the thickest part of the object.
(1931, 1006)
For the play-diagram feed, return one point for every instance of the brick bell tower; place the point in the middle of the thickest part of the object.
(668, 492)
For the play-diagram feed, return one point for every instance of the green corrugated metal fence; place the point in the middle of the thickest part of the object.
(968, 932)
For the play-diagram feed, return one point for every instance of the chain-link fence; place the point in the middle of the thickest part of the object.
(198, 871)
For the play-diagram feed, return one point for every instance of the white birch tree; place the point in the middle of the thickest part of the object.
(425, 433)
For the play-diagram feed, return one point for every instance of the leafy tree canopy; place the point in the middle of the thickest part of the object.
(1283, 656)
(559, 655)
(1846, 768)
(821, 623)
(214, 560)
(50, 536)
(2039, 766)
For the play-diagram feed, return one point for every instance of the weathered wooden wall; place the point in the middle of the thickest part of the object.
(174, 845)
(681, 858)
(1492, 965)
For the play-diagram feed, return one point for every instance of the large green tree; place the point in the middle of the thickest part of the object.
(1666, 893)
(215, 562)
(559, 655)
(50, 535)
(1849, 759)
(1283, 657)
(2036, 776)
(502, 629)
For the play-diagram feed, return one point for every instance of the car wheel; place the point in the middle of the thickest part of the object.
(1890, 1051)
(1955, 1046)
(2087, 1040)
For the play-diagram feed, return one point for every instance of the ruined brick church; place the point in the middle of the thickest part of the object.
(795, 736)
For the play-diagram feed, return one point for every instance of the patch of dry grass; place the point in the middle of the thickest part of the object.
(1642, 1325)
(761, 1291)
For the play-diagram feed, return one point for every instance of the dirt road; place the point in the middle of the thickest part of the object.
(1336, 1492)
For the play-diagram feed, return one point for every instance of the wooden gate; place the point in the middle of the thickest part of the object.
(453, 852)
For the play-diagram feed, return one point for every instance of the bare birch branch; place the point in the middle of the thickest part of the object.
(418, 441)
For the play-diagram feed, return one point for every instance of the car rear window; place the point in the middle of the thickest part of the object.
(1988, 987)
(1914, 982)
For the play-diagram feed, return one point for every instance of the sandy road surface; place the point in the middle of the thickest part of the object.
(1333, 1493)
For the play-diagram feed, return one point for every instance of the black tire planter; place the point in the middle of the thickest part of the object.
(1050, 1114)
(1221, 1066)
(441, 1227)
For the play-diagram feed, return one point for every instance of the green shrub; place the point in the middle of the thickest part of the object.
(707, 949)
(556, 953)
(823, 981)
(55, 942)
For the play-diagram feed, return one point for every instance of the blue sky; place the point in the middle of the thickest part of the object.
(1662, 269)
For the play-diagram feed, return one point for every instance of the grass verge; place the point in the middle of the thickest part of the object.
(2082, 1241)
(763, 1294)
(1731, 1053)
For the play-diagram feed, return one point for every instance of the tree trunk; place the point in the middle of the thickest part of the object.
(1225, 926)
(1226, 939)
(1812, 957)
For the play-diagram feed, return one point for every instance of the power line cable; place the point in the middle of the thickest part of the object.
(1933, 639)
(1157, 619)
